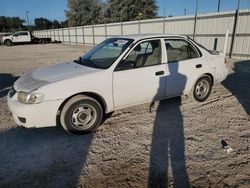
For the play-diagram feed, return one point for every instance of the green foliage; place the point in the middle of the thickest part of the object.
(131, 10)
(64, 24)
(55, 24)
(42, 23)
(10, 24)
(87, 12)
(83, 12)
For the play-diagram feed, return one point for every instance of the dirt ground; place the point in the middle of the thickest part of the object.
(179, 142)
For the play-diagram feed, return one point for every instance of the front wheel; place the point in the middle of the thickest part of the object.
(81, 115)
(8, 43)
(202, 89)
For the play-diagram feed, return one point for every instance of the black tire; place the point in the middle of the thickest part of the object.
(8, 43)
(81, 115)
(202, 89)
(42, 41)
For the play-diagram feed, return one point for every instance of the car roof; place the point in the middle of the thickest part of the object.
(148, 36)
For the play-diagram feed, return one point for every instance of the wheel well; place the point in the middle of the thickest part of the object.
(6, 40)
(206, 74)
(89, 94)
(210, 76)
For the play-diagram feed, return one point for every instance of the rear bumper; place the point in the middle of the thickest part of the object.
(220, 76)
(34, 115)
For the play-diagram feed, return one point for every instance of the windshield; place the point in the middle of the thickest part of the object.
(104, 55)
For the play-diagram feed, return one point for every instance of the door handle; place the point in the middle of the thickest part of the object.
(198, 66)
(158, 73)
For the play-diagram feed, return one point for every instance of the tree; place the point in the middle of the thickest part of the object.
(55, 24)
(131, 10)
(83, 12)
(10, 23)
(42, 23)
(64, 24)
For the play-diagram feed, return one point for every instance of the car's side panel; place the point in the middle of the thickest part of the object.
(22, 38)
(182, 75)
(99, 82)
(139, 85)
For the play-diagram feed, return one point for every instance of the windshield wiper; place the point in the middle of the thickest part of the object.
(86, 62)
(79, 60)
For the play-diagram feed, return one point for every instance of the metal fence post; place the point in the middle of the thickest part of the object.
(50, 33)
(69, 35)
(234, 33)
(105, 28)
(76, 34)
(121, 28)
(83, 37)
(139, 27)
(164, 24)
(63, 34)
(58, 33)
(195, 19)
(215, 43)
(54, 34)
(93, 33)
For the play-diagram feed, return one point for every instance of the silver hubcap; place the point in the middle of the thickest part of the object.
(84, 116)
(202, 89)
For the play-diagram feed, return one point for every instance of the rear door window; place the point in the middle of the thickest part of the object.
(179, 50)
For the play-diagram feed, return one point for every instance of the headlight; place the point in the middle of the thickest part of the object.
(30, 98)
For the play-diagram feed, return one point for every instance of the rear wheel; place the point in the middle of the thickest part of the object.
(42, 41)
(81, 115)
(8, 43)
(202, 89)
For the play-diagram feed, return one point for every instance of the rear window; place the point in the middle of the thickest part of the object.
(213, 52)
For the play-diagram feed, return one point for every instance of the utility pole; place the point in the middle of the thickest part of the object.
(27, 17)
(235, 29)
(218, 5)
(195, 19)
(238, 6)
(164, 21)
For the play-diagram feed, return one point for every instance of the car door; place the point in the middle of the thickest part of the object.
(16, 37)
(140, 77)
(184, 64)
(21, 36)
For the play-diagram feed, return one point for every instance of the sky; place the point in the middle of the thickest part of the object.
(55, 9)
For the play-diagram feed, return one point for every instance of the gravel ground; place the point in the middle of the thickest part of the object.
(179, 142)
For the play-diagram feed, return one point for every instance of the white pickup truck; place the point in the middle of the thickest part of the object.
(23, 37)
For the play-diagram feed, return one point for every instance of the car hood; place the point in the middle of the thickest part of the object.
(40, 77)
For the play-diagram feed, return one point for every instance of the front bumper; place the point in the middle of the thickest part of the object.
(34, 115)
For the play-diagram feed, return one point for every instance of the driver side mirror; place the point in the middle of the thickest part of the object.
(125, 65)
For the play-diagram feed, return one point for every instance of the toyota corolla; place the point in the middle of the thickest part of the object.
(119, 72)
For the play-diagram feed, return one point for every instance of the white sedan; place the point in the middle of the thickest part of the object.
(119, 72)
